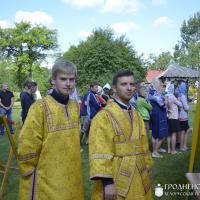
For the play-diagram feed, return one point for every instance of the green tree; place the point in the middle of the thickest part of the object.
(6, 67)
(41, 76)
(101, 55)
(26, 45)
(159, 62)
(187, 51)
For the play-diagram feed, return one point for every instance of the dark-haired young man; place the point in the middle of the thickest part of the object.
(89, 108)
(119, 155)
(27, 97)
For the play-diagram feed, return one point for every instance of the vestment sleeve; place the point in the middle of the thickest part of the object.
(30, 139)
(148, 158)
(101, 146)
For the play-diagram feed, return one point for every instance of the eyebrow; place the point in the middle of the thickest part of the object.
(64, 78)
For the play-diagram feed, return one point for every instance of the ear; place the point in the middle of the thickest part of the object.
(53, 81)
(114, 88)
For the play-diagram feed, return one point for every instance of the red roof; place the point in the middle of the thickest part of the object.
(152, 74)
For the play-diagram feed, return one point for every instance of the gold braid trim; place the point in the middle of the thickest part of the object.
(27, 156)
(101, 156)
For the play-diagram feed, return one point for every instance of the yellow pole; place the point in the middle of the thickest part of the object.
(196, 134)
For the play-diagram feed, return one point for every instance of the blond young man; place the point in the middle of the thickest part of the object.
(49, 144)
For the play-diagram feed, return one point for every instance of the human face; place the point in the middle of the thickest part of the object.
(5, 87)
(143, 92)
(64, 83)
(94, 88)
(124, 88)
(33, 89)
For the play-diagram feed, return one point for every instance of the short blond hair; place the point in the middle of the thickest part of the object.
(63, 66)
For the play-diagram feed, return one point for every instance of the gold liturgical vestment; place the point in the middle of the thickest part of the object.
(49, 152)
(119, 150)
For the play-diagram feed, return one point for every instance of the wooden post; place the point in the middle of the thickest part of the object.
(13, 151)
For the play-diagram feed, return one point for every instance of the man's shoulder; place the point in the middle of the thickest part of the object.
(39, 104)
(101, 117)
(23, 94)
(84, 97)
(111, 108)
(91, 94)
(10, 93)
(86, 94)
(74, 102)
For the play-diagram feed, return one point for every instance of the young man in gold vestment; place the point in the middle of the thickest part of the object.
(49, 143)
(118, 148)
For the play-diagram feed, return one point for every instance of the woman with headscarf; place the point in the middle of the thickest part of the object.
(173, 105)
(158, 116)
(99, 97)
(183, 116)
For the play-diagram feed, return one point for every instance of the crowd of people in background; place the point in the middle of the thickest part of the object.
(163, 107)
(111, 126)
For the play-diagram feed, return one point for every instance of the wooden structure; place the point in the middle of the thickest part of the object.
(176, 71)
(4, 168)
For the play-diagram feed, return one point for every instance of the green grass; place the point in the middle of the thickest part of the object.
(167, 170)
(171, 169)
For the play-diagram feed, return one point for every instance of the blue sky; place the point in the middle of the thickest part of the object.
(152, 26)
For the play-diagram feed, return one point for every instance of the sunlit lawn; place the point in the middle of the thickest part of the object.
(169, 169)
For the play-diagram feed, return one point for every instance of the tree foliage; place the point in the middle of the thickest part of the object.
(41, 76)
(159, 62)
(187, 51)
(26, 45)
(7, 74)
(101, 55)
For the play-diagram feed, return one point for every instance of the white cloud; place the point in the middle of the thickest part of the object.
(116, 6)
(36, 17)
(83, 34)
(119, 6)
(84, 3)
(162, 21)
(124, 27)
(159, 2)
(4, 24)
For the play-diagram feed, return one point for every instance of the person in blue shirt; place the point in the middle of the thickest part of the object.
(27, 97)
(89, 108)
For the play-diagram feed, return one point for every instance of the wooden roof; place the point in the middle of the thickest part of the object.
(176, 71)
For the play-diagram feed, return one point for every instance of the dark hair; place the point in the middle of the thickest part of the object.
(29, 84)
(93, 83)
(121, 73)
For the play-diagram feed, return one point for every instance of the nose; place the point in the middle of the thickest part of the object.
(129, 87)
(67, 82)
